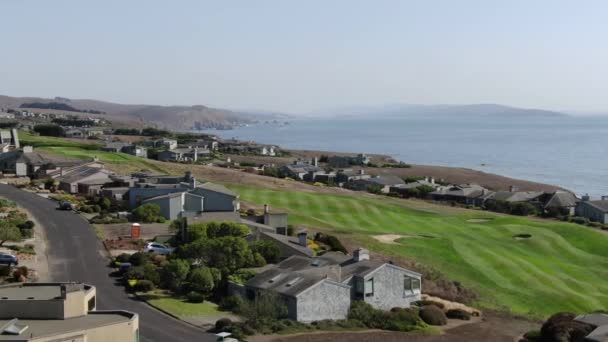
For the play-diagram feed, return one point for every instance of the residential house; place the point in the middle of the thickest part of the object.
(182, 196)
(347, 161)
(9, 139)
(536, 198)
(594, 210)
(350, 175)
(600, 321)
(25, 162)
(404, 189)
(562, 203)
(323, 287)
(42, 312)
(288, 245)
(83, 179)
(383, 182)
(75, 133)
(169, 144)
(183, 154)
(268, 151)
(301, 170)
(471, 194)
(132, 149)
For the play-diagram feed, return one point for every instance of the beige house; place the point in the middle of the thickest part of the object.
(58, 312)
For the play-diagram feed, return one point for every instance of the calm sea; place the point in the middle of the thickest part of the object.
(567, 151)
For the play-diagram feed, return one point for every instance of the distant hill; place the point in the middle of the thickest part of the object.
(472, 110)
(168, 117)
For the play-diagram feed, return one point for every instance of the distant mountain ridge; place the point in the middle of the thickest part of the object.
(470, 110)
(169, 117)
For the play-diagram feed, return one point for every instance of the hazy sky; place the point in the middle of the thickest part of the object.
(297, 56)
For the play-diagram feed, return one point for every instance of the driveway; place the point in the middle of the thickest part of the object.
(75, 254)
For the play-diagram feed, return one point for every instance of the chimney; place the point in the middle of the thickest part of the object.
(315, 161)
(303, 238)
(585, 198)
(360, 254)
(433, 180)
(512, 188)
(426, 178)
(195, 153)
(266, 209)
(361, 172)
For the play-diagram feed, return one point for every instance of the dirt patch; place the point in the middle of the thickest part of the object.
(449, 305)
(388, 238)
(123, 244)
(522, 236)
(479, 220)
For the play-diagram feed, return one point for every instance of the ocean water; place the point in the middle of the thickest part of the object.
(567, 151)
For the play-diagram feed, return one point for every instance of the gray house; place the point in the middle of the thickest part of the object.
(596, 211)
(465, 193)
(385, 182)
(324, 287)
(183, 154)
(80, 179)
(131, 149)
(181, 195)
(300, 170)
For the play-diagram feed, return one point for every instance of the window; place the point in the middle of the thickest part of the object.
(411, 285)
(369, 287)
(91, 304)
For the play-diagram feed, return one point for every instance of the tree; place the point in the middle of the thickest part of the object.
(147, 213)
(267, 305)
(197, 231)
(215, 230)
(268, 249)
(105, 203)
(8, 232)
(201, 280)
(175, 273)
(227, 253)
(49, 130)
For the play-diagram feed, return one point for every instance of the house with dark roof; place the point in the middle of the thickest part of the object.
(384, 182)
(600, 322)
(84, 179)
(404, 189)
(300, 170)
(472, 194)
(132, 149)
(594, 210)
(535, 198)
(323, 287)
(348, 175)
(561, 202)
(188, 154)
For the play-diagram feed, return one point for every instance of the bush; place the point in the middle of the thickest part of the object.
(332, 241)
(147, 213)
(5, 271)
(222, 323)
(144, 286)
(139, 259)
(433, 315)
(364, 312)
(124, 257)
(26, 225)
(458, 314)
(27, 233)
(563, 327)
(268, 250)
(151, 273)
(233, 303)
(195, 297)
(532, 336)
(248, 330)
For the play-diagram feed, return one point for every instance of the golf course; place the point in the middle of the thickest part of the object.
(528, 266)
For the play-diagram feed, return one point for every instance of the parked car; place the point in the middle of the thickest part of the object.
(8, 259)
(155, 247)
(65, 205)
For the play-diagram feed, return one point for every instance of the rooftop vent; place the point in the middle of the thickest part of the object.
(13, 327)
(275, 278)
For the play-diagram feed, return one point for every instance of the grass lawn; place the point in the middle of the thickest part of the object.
(561, 267)
(40, 141)
(181, 308)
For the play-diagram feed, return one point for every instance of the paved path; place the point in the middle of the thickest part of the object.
(76, 254)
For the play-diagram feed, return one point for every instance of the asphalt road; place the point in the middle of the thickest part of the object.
(76, 254)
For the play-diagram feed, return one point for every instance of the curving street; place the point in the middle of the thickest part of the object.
(76, 254)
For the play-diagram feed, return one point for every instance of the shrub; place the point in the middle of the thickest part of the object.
(247, 330)
(532, 336)
(139, 259)
(26, 225)
(433, 315)
(27, 233)
(144, 286)
(222, 323)
(406, 316)
(147, 213)
(364, 312)
(458, 314)
(201, 280)
(268, 250)
(124, 257)
(563, 327)
(195, 297)
(151, 273)
(5, 271)
(233, 303)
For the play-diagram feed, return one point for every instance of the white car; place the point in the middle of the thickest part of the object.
(155, 247)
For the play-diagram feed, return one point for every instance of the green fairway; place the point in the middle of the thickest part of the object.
(561, 267)
(41, 141)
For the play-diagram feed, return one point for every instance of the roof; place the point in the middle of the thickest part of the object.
(115, 145)
(289, 241)
(516, 196)
(302, 167)
(217, 188)
(170, 195)
(33, 158)
(80, 173)
(561, 199)
(415, 184)
(599, 204)
(386, 180)
(599, 320)
(296, 274)
(49, 328)
(38, 291)
(463, 190)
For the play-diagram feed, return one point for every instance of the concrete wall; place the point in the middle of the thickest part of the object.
(327, 300)
(216, 201)
(389, 289)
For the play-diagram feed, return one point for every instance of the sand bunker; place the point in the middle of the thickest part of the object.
(478, 220)
(388, 238)
(448, 305)
(392, 238)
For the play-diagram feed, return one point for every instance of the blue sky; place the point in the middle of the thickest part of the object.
(299, 56)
